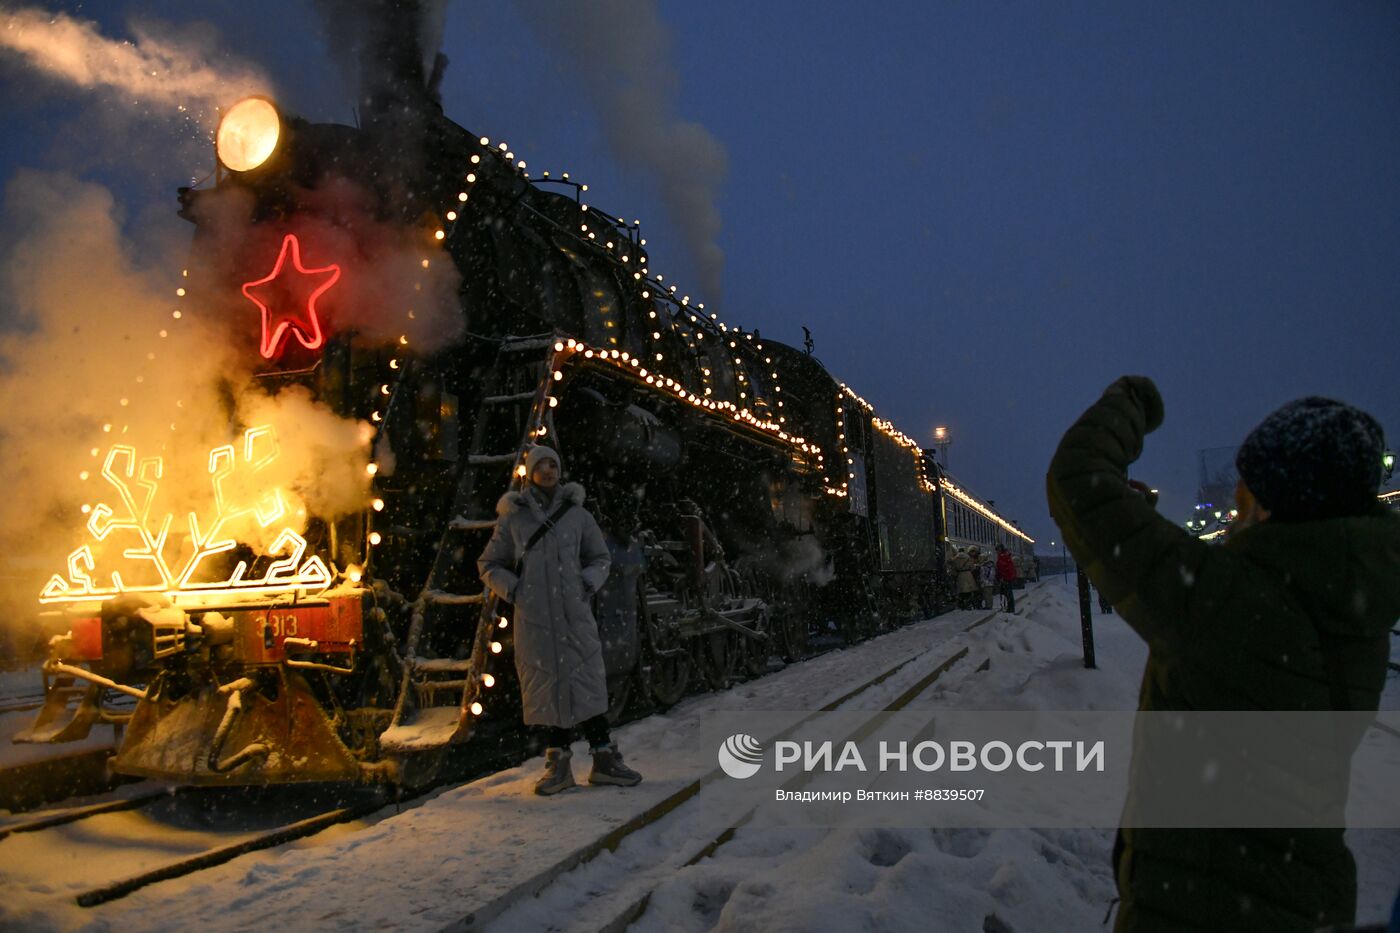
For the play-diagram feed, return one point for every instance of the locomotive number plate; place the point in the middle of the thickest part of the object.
(333, 626)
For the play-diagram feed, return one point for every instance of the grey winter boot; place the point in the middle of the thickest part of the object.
(609, 769)
(558, 772)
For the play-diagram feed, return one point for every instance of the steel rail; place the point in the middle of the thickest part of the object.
(222, 854)
(82, 813)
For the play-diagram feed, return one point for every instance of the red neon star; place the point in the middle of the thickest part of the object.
(288, 296)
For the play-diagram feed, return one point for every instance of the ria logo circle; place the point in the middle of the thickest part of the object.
(741, 756)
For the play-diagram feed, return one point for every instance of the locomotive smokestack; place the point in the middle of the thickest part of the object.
(392, 79)
(386, 48)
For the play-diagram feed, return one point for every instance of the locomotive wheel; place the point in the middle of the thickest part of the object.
(756, 654)
(670, 676)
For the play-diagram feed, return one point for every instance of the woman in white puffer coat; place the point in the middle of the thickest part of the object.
(558, 654)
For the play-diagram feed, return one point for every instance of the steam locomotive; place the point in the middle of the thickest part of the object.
(756, 508)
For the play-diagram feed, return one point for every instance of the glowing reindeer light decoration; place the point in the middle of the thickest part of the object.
(137, 484)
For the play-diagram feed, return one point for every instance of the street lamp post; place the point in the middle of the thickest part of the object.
(941, 440)
(1086, 617)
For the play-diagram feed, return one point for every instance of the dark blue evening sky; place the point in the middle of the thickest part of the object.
(984, 211)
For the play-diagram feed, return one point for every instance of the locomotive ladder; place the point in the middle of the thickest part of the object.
(437, 691)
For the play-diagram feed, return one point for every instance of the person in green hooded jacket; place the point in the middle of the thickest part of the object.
(1292, 613)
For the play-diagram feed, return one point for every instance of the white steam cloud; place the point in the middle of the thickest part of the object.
(98, 356)
(620, 51)
(176, 74)
(800, 558)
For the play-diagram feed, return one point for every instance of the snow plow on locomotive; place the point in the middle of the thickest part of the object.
(414, 282)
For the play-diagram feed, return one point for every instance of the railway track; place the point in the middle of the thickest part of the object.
(26, 702)
(21, 703)
(912, 676)
(189, 817)
(211, 843)
(74, 814)
(218, 855)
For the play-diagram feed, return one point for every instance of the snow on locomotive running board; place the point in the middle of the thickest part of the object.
(434, 864)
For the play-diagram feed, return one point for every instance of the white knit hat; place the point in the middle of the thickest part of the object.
(538, 453)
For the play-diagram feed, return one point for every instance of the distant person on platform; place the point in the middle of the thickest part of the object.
(1293, 613)
(547, 557)
(987, 577)
(1006, 578)
(964, 565)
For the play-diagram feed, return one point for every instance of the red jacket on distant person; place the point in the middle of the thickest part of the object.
(1006, 567)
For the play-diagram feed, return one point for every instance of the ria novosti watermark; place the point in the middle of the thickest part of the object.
(741, 756)
(1051, 768)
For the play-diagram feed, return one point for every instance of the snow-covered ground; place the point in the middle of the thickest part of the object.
(781, 878)
(469, 851)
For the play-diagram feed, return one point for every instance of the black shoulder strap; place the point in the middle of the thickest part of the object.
(540, 532)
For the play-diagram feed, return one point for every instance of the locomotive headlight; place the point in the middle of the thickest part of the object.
(248, 134)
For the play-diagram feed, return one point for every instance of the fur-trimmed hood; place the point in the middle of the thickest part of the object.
(520, 498)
